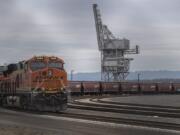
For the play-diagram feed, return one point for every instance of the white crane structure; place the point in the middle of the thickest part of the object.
(114, 64)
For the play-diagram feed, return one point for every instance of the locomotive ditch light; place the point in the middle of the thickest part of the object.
(62, 89)
(43, 89)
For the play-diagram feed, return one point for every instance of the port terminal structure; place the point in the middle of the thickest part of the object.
(114, 64)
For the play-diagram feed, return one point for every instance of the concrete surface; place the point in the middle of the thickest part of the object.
(12, 122)
(162, 100)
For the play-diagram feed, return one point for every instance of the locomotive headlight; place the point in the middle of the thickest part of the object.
(50, 73)
(43, 89)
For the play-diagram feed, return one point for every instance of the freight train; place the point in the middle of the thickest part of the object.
(93, 87)
(37, 83)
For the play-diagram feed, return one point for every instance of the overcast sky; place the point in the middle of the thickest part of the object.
(65, 28)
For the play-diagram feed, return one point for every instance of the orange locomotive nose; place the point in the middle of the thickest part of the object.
(48, 74)
(50, 80)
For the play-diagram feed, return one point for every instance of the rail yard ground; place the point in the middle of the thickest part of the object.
(99, 115)
(172, 100)
(7, 129)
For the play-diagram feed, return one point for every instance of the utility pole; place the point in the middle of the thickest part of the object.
(72, 71)
(138, 77)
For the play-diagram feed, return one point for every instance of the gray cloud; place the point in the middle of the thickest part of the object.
(66, 28)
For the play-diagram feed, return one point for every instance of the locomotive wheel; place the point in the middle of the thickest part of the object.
(4, 101)
(1, 101)
(24, 102)
(52, 100)
(40, 108)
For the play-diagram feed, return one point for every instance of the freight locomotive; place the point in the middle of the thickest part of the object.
(38, 83)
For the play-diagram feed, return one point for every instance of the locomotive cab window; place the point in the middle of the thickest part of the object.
(57, 65)
(36, 65)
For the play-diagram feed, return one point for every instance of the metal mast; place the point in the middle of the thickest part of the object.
(114, 64)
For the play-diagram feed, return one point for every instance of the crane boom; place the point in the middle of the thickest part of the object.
(99, 26)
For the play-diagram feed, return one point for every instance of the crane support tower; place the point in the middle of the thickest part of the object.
(114, 64)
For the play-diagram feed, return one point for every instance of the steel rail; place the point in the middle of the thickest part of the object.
(126, 109)
(135, 122)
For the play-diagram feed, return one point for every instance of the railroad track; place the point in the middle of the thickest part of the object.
(135, 105)
(127, 121)
(109, 119)
(133, 122)
(127, 109)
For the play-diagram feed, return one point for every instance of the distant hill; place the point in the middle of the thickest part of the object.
(144, 75)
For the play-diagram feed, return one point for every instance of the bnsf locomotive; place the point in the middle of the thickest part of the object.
(38, 83)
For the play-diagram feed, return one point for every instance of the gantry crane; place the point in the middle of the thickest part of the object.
(114, 64)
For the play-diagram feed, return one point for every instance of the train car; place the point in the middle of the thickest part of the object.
(164, 87)
(75, 87)
(175, 87)
(148, 87)
(91, 87)
(95, 87)
(38, 83)
(111, 87)
(130, 87)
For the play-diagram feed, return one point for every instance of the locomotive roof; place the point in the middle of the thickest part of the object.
(46, 58)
